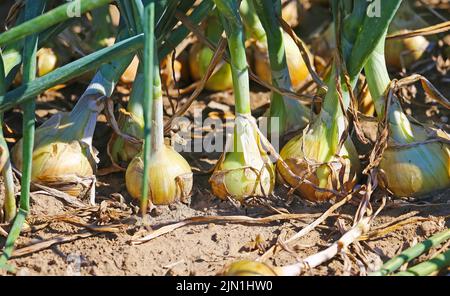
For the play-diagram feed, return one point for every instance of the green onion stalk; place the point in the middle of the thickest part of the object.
(9, 204)
(409, 254)
(201, 55)
(158, 175)
(324, 154)
(32, 10)
(244, 169)
(258, 33)
(291, 114)
(417, 159)
(63, 156)
(429, 267)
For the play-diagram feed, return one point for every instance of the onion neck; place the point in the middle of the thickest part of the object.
(157, 133)
(137, 94)
(280, 106)
(232, 24)
(378, 80)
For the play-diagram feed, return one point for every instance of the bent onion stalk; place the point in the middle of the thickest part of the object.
(244, 169)
(158, 175)
(200, 57)
(291, 114)
(411, 166)
(324, 154)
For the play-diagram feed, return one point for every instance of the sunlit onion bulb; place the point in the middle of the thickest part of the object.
(419, 169)
(246, 171)
(316, 148)
(170, 177)
(57, 163)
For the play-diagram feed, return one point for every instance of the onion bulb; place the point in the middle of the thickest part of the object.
(404, 52)
(244, 170)
(298, 71)
(200, 57)
(170, 177)
(419, 169)
(248, 268)
(316, 149)
(59, 160)
(46, 61)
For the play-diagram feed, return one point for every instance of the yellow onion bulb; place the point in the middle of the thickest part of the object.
(170, 177)
(412, 171)
(245, 170)
(248, 268)
(298, 71)
(120, 151)
(404, 52)
(46, 61)
(199, 58)
(316, 148)
(57, 163)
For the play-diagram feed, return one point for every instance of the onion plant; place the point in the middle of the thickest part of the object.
(323, 161)
(417, 158)
(158, 175)
(131, 119)
(244, 170)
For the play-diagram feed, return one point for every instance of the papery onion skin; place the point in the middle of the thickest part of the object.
(166, 166)
(416, 170)
(248, 268)
(236, 174)
(56, 162)
(199, 58)
(298, 71)
(293, 156)
(233, 180)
